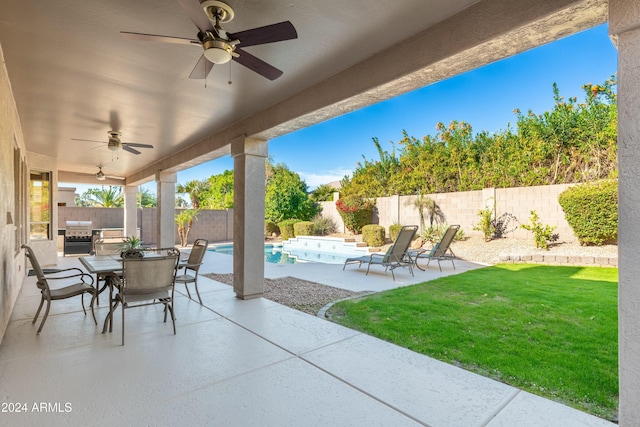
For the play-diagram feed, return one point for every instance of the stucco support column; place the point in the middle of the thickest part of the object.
(131, 210)
(248, 216)
(624, 24)
(166, 232)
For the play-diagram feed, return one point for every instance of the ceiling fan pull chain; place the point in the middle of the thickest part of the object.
(230, 82)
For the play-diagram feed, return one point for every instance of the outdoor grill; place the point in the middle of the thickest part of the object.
(78, 237)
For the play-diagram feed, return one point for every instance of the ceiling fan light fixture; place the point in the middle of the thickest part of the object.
(113, 146)
(217, 51)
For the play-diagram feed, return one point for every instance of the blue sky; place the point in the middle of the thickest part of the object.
(485, 98)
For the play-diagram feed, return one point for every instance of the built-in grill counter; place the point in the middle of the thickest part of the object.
(78, 237)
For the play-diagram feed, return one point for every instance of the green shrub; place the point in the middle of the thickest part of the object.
(303, 228)
(373, 235)
(355, 211)
(323, 225)
(270, 227)
(591, 209)
(286, 228)
(394, 230)
(434, 234)
(494, 228)
(542, 233)
(486, 224)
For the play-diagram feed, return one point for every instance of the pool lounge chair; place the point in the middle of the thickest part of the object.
(440, 252)
(396, 256)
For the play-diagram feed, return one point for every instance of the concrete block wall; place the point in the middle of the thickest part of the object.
(100, 217)
(213, 225)
(463, 207)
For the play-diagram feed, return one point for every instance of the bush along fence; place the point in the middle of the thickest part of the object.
(512, 204)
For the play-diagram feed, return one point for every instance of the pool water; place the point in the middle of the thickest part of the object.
(274, 255)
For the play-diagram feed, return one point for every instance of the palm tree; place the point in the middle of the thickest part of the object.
(194, 189)
(111, 197)
(185, 219)
(424, 203)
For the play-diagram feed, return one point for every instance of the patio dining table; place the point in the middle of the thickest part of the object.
(101, 265)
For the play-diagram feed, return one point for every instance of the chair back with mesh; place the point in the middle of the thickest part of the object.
(76, 282)
(109, 247)
(192, 266)
(148, 278)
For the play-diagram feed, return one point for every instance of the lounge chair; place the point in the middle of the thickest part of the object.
(440, 252)
(396, 256)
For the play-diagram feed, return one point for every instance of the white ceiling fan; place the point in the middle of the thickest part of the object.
(100, 176)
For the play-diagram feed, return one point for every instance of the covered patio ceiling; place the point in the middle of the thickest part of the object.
(74, 76)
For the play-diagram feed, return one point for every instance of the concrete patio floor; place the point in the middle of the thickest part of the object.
(244, 363)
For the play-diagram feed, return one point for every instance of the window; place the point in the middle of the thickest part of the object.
(40, 205)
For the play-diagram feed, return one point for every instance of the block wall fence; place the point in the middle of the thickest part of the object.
(463, 207)
(459, 208)
(213, 225)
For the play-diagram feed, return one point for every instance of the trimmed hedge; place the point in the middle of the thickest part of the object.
(270, 227)
(373, 235)
(394, 230)
(286, 228)
(303, 228)
(591, 209)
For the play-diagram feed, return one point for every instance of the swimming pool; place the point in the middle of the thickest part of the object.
(275, 255)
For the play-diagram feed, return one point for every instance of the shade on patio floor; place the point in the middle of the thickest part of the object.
(244, 363)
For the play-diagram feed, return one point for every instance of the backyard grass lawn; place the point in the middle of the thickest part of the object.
(550, 330)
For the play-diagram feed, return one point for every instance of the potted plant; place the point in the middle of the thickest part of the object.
(132, 244)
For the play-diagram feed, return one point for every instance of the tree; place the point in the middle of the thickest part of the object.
(185, 219)
(573, 142)
(220, 193)
(146, 199)
(424, 203)
(111, 197)
(286, 196)
(196, 190)
(323, 193)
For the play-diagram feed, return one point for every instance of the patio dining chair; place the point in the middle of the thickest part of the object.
(83, 284)
(103, 247)
(192, 266)
(148, 278)
(396, 255)
(440, 252)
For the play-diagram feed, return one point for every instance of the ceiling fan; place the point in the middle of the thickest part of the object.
(100, 176)
(220, 46)
(114, 143)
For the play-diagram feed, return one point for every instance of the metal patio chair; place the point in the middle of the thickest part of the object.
(440, 252)
(396, 256)
(83, 285)
(192, 266)
(148, 278)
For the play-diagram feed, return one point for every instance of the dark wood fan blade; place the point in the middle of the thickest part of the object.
(158, 38)
(202, 69)
(88, 140)
(135, 144)
(130, 150)
(197, 15)
(257, 65)
(267, 34)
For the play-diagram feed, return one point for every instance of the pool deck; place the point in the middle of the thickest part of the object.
(246, 363)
